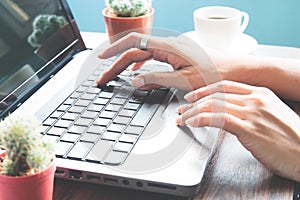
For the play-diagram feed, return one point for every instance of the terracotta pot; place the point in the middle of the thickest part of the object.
(56, 42)
(33, 187)
(118, 27)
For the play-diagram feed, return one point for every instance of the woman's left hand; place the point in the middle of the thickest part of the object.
(263, 124)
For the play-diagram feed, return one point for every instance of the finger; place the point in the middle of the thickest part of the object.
(127, 42)
(137, 65)
(236, 99)
(122, 63)
(163, 79)
(221, 87)
(223, 121)
(212, 106)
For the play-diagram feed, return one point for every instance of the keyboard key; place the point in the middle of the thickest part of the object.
(89, 114)
(61, 148)
(69, 101)
(70, 116)
(116, 128)
(88, 96)
(63, 123)
(102, 122)
(69, 137)
(49, 121)
(113, 107)
(126, 113)
(106, 95)
(63, 107)
(115, 158)
(77, 129)
(82, 121)
(56, 131)
(101, 101)
(123, 146)
(93, 90)
(82, 102)
(118, 101)
(79, 150)
(95, 107)
(122, 120)
(99, 150)
(76, 95)
(76, 109)
(132, 106)
(95, 129)
(128, 138)
(135, 130)
(107, 114)
(56, 114)
(108, 135)
(89, 137)
(149, 107)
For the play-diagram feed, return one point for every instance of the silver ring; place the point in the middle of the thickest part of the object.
(143, 44)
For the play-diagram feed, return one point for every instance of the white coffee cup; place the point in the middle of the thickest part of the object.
(218, 26)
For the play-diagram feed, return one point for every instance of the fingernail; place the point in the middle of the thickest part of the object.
(138, 82)
(178, 121)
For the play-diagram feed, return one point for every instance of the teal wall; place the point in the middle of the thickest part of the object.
(275, 22)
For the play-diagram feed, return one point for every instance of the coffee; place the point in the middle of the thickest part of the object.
(217, 18)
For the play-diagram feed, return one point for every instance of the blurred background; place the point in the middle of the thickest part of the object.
(274, 22)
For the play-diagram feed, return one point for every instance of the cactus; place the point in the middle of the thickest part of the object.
(129, 8)
(43, 27)
(26, 150)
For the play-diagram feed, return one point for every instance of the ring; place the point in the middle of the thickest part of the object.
(143, 44)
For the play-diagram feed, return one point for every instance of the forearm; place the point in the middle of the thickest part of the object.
(278, 74)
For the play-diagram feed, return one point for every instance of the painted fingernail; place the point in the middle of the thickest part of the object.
(178, 110)
(138, 82)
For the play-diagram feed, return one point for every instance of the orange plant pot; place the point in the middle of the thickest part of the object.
(118, 27)
(33, 187)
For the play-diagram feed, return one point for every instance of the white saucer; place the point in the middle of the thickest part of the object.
(244, 44)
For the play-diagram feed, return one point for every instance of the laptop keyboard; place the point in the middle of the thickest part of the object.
(102, 124)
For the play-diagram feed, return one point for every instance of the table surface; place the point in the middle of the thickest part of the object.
(233, 173)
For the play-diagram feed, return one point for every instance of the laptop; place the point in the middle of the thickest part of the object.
(111, 135)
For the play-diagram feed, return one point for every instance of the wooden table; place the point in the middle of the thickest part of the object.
(233, 173)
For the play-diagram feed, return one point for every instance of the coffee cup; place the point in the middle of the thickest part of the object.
(217, 27)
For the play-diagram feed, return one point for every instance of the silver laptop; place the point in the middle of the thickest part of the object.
(113, 134)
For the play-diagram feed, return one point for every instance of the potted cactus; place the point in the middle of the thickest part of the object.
(49, 36)
(26, 160)
(124, 16)
(43, 27)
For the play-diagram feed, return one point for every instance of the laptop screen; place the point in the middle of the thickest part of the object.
(37, 37)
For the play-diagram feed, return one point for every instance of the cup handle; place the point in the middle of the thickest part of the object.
(244, 25)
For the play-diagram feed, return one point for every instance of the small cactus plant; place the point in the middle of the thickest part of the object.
(43, 27)
(129, 8)
(26, 151)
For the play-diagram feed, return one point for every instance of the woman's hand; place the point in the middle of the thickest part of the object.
(192, 66)
(264, 125)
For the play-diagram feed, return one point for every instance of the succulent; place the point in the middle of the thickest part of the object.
(43, 27)
(26, 150)
(129, 8)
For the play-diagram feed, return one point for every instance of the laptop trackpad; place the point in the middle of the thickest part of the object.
(162, 133)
